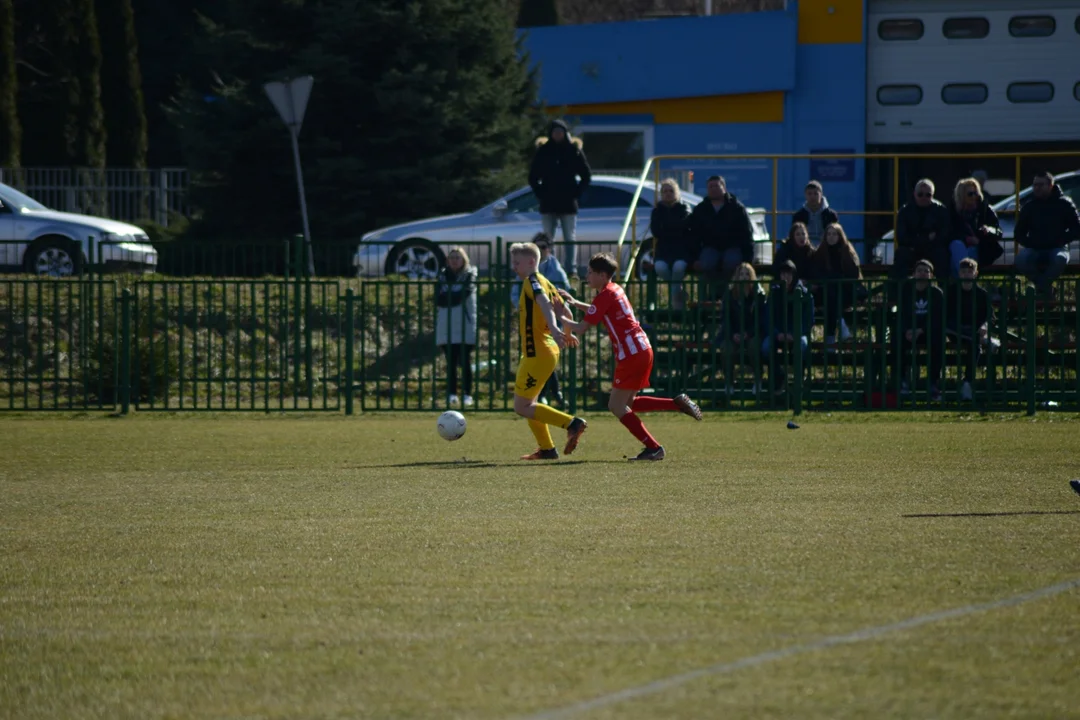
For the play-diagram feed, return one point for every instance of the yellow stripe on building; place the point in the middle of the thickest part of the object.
(746, 108)
(830, 22)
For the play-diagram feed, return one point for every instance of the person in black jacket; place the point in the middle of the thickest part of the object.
(674, 248)
(976, 232)
(922, 312)
(922, 230)
(837, 266)
(784, 335)
(722, 229)
(797, 248)
(559, 176)
(744, 321)
(968, 313)
(1046, 226)
(815, 214)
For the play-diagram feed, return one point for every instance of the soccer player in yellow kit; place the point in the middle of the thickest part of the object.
(541, 341)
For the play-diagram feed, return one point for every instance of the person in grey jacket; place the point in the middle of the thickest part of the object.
(455, 322)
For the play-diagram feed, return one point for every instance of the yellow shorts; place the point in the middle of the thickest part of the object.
(533, 373)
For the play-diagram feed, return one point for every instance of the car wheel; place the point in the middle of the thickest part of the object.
(53, 257)
(416, 259)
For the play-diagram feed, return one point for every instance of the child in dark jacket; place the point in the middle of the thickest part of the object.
(784, 334)
(922, 314)
(744, 322)
(968, 314)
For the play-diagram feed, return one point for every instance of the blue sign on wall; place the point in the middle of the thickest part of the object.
(832, 170)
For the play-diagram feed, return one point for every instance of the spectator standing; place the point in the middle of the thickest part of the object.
(1046, 226)
(922, 311)
(815, 212)
(784, 334)
(798, 249)
(559, 176)
(675, 249)
(743, 328)
(722, 230)
(837, 266)
(455, 322)
(922, 230)
(968, 313)
(976, 233)
(550, 268)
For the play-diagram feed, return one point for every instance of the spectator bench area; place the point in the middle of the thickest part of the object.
(1032, 360)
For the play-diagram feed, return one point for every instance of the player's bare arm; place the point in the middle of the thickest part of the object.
(548, 311)
(571, 302)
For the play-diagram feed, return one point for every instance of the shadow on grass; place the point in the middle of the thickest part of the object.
(993, 514)
(464, 464)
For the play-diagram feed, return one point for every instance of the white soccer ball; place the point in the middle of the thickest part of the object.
(451, 425)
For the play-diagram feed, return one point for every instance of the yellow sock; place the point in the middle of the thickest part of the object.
(551, 416)
(542, 434)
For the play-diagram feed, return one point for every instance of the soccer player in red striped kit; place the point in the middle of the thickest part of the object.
(633, 354)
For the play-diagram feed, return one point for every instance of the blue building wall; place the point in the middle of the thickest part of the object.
(823, 85)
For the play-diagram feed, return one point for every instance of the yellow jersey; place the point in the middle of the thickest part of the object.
(535, 333)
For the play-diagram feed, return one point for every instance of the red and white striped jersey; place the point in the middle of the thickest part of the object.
(612, 307)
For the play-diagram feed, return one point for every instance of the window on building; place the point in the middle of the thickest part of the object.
(1076, 24)
(900, 29)
(1076, 91)
(899, 95)
(1030, 92)
(964, 94)
(969, 28)
(1032, 26)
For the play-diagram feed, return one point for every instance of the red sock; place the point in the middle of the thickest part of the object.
(654, 404)
(637, 429)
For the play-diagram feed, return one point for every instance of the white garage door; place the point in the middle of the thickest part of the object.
(943, 71)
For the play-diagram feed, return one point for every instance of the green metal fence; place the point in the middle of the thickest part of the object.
(276, 344)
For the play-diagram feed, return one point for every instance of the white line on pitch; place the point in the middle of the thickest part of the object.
(870, 633)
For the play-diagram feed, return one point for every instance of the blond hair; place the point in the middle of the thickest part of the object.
(751, 285)
(460, 251)
(674, 186)
(960, 189)
(526, 248)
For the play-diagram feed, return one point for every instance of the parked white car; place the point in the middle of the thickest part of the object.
(35, 239)
(418, 249)
(1005, 209)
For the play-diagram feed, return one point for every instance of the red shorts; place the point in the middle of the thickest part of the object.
(633, 371)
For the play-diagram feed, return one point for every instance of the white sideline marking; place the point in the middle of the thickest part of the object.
(870, 633)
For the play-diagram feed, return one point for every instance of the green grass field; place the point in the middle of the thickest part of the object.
(303, 567)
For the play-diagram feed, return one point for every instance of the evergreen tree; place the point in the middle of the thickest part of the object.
(84, 57)
(10, 130)
(121, 84)
(418, 109)
(537, 13)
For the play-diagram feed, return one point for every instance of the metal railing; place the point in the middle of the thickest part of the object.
(274, 345)
(126, 194)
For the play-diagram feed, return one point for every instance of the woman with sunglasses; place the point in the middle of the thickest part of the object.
(976, 232)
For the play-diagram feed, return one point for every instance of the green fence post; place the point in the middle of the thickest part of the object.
(298, 247)
(350, 332)
(125, 352)
(797, 349)
(287, 260)
(1029, 386)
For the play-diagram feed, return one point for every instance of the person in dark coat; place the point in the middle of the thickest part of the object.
(968, 313)
(674, 247)
(922, 314)
(455, 323)
(744, 323)
(722, 229)
(1046, 226)
(815, 214)
(976, 232)
(797, 248)
(559, 176)
(837, 267)
(784, 334)
(922, 231)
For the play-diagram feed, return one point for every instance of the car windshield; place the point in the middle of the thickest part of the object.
(15, 199)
